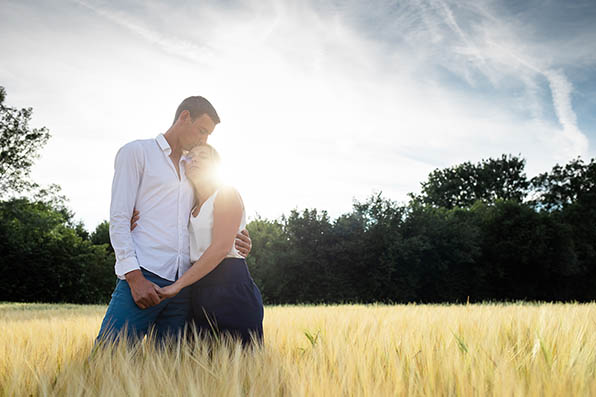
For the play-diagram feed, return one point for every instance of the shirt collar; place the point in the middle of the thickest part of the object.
(163, 144)
(165, 147)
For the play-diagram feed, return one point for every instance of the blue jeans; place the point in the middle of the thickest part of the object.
(123, 315)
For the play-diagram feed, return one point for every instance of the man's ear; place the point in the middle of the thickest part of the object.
(184, 116)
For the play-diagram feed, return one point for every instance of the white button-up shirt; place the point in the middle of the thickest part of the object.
(145, 178)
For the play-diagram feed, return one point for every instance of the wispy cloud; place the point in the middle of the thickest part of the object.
(561, 89)
(320, 101)
(173, 45)
(498, 51)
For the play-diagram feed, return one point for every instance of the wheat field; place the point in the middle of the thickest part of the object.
(489, 349)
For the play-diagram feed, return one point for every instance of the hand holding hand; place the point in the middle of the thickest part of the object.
(168, 291)
(143, 291)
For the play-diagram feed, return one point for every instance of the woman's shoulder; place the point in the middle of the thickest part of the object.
(228, 195)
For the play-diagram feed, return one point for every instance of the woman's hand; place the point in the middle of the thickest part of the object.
(169, 291)
(134, 219)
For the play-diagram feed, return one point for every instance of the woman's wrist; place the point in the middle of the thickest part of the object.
(177, 286)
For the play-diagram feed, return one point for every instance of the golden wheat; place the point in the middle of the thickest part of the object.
(329, 350)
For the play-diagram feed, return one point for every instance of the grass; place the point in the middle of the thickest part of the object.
(328, 350)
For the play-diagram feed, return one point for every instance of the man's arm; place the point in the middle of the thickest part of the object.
(128, 170)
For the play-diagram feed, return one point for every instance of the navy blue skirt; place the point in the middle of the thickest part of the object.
(228, 301)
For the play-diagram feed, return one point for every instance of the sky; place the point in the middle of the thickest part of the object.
(322, 102)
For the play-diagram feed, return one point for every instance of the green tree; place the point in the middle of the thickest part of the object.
(436, 258)
(267, 258)
(44, 259)
(374, 272)
(524, 253)
(564, 185)
(463, 184)
(305, 265)
(101, 235)
(568, 194)
(19, 146)
(347, 252)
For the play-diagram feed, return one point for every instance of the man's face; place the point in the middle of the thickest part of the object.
(197, 132)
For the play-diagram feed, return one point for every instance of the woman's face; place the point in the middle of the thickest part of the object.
(200, 166)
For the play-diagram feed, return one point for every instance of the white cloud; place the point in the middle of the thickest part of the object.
(561, 89)
(316, 107)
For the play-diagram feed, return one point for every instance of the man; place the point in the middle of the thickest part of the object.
(149, 176)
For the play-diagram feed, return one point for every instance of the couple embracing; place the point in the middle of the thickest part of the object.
(179, 238)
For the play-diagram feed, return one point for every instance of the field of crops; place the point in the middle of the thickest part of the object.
(335, 350)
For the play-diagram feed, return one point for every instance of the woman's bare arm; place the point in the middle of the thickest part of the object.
(227, 215)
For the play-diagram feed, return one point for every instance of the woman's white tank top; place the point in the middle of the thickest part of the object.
(200, 229)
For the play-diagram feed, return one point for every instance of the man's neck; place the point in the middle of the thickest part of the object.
(172, 139)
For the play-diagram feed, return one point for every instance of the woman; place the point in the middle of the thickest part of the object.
(225, 299)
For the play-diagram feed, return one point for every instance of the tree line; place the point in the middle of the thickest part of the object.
(476, 231)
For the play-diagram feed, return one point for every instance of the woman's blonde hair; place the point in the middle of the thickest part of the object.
(215, 157)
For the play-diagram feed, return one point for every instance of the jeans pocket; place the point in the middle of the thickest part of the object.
(121, 288)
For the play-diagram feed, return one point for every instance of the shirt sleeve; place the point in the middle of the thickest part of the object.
(128, 170)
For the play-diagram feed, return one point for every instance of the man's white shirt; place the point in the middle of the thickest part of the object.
(145, 178)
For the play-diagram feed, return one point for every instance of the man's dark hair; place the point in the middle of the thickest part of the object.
(197, 106)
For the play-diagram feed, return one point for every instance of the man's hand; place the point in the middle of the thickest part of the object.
(134, 219)
(243, 243)
(143, 291)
